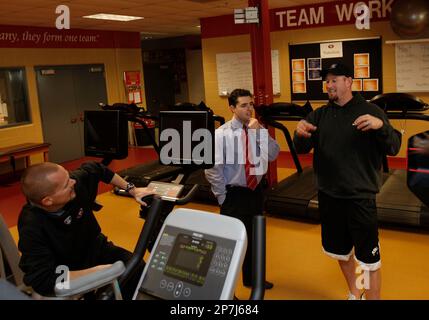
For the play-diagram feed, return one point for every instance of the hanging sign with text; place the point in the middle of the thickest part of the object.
(37, 37)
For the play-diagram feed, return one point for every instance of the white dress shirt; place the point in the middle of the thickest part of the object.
(229, 168)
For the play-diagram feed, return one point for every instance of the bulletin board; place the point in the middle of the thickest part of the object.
(362, 56)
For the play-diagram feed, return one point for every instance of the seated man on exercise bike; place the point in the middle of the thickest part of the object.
(57, 226)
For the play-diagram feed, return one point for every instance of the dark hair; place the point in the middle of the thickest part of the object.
(235, 94)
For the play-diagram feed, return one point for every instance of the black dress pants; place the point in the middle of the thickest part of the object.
(243, 203)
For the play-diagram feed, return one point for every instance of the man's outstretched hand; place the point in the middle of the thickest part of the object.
(304, 129)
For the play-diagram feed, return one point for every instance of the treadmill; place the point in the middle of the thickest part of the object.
(296, 195)
(418, 167)
(396, 204)
(141, 175)
(204, 193)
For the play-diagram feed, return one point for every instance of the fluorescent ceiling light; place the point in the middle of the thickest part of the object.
(114, 17)
(151, 33)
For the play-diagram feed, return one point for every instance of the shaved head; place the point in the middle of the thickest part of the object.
(35, 182)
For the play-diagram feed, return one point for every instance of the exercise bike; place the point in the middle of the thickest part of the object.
(194, 254)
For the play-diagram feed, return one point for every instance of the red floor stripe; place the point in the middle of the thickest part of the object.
(12, 200)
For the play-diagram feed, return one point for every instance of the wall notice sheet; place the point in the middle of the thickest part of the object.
(412, 67)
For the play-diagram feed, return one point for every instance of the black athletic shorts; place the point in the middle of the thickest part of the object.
(348, 224)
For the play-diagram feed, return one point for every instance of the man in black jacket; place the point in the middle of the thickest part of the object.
(57, 226)
(350, 137)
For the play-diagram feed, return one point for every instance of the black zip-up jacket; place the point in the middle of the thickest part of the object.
(347, 161)
(47, 241)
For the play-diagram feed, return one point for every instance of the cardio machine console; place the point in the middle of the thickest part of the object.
(197, 255)
(165, 189)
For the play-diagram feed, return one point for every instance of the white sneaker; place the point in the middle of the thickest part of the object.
(353, 297)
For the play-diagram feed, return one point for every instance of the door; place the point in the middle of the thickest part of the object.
(159, 82)
(64, 93)
(90, 91)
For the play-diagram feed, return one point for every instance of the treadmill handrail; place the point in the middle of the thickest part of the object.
(407, 116)
(286, 118)
(401, 115)
(148, 133)
(289, 141)
(220, 119)
(135, 114)
(285, 112)
(399, 101)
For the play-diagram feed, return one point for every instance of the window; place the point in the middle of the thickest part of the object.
(13, 97)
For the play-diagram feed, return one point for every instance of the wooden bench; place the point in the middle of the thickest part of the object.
(24, 150)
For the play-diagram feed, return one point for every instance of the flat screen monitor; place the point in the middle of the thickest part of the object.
(186, 138)
(106, 134)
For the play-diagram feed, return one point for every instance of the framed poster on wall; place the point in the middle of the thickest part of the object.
(133, 87)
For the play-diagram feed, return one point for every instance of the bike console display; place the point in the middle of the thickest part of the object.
(197, 255)
(190, 259)
(165, 189)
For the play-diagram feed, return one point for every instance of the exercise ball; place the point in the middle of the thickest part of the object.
(410, 18)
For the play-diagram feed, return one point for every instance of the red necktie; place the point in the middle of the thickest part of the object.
(252, 180)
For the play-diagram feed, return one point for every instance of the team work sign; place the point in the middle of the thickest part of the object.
(329, 14)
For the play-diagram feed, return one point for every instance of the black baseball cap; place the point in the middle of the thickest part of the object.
(337, 69)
